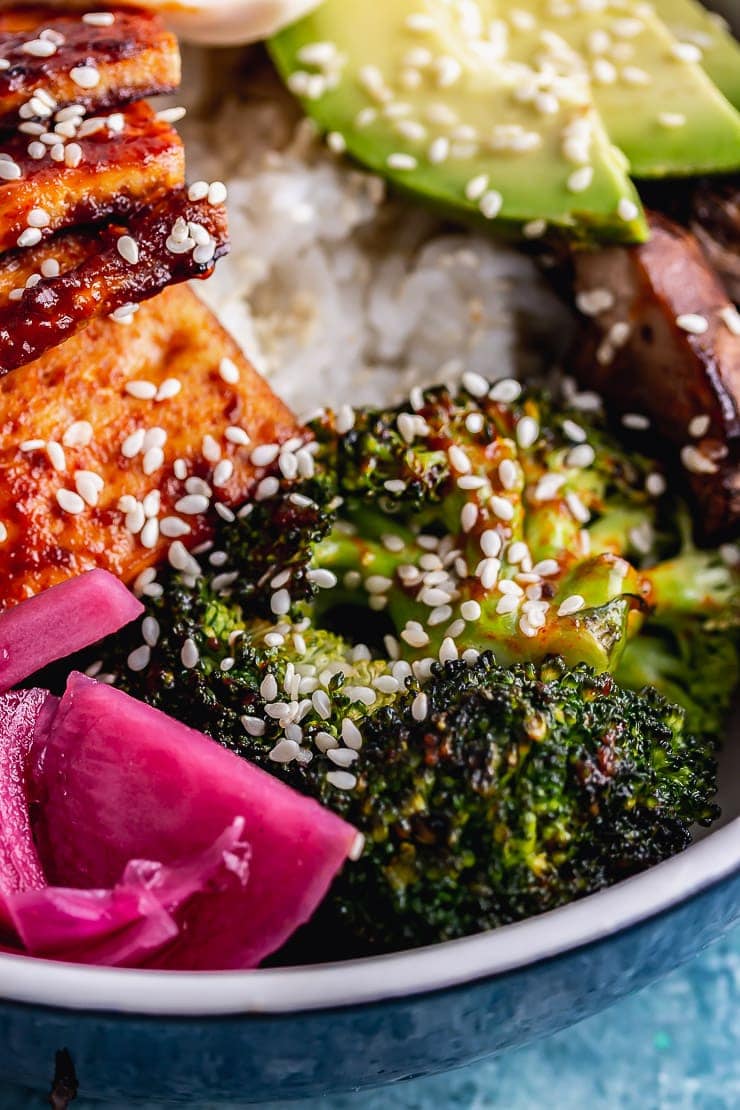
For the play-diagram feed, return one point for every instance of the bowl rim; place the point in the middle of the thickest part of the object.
(351, 983)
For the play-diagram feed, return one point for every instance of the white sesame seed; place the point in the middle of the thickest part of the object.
(487, 571)
(516, 552)
(527, 432)
(420, 707)
(730, 318)
(70, 502)
(267, 488)
(128, 249)
(89, 486)
(99, 19)
(36, 150)
(534, 229)
(280, 603)
(574, 432)
(580, 179)
(592, 302)
(32, 445)
(414, 635)
(9, 171)
(546, 568)
(237, 436)
(72, 155)
(671, 119)
(686, 52)
(459, 461)
(577, 508)
(189, 654)
(490, 542)
(627, 210)
(692, 323)
(56, 456)
(509, 603)
(265, 454)
(655, 484)
(475, 384)
(139, 659)
(31, 236)
(78, 434)
(502, 508)
(581, 456)
(172, 527)
(378, 584)
(342, 780)
(468, 516)
(491, 204)
(38, 217)
(269, 688)
(223, 472)
(85, 77)
(192, 504)
(699, 426)
(571, 605)
(351, 734)
(400, 161)
(39, 48)
(635, 421)
(343, 757)
(474, 190)
(508, 473)
(217, 193)
(696, 462)
(149, 535)
(470, 610)
(153, 460)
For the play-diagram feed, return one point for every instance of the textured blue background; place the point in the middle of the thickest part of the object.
(674, 1046)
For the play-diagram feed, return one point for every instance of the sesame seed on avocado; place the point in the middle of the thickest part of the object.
(530, 117)
(658, 104)
(690, 22)
(426, 94)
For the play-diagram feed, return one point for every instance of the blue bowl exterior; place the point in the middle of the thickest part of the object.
(257, 1058)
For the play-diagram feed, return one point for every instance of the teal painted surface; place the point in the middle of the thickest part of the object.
(674, 1046)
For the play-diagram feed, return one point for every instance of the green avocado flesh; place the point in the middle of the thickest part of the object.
(529, 116)
(469, 135)
(689, 21)
(658, 106)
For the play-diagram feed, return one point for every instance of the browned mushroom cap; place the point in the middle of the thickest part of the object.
(663, 340)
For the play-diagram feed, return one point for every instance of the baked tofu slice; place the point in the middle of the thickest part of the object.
(50, 291)
(110, 166)
(663, 341)
(85, 59)
(124, 440)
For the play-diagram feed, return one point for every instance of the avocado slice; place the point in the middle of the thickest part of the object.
(436, 105)
(689, 21)
(657, 103)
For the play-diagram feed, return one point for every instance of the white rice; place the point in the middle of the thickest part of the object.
(337, 293)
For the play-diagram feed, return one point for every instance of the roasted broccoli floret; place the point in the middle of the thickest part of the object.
(432, 629)
(485, 793)
(500, 520)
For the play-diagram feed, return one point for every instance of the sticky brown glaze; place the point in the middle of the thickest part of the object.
(661, 371)
(135, 57)
(95, 279)
(130, 162)
(172, 337)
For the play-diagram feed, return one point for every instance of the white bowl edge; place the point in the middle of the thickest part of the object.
(355, 982)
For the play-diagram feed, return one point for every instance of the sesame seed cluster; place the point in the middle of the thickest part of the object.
(532, 114)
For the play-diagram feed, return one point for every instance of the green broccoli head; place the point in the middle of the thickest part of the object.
(386, 636)
(500, 520)
(485, 793)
